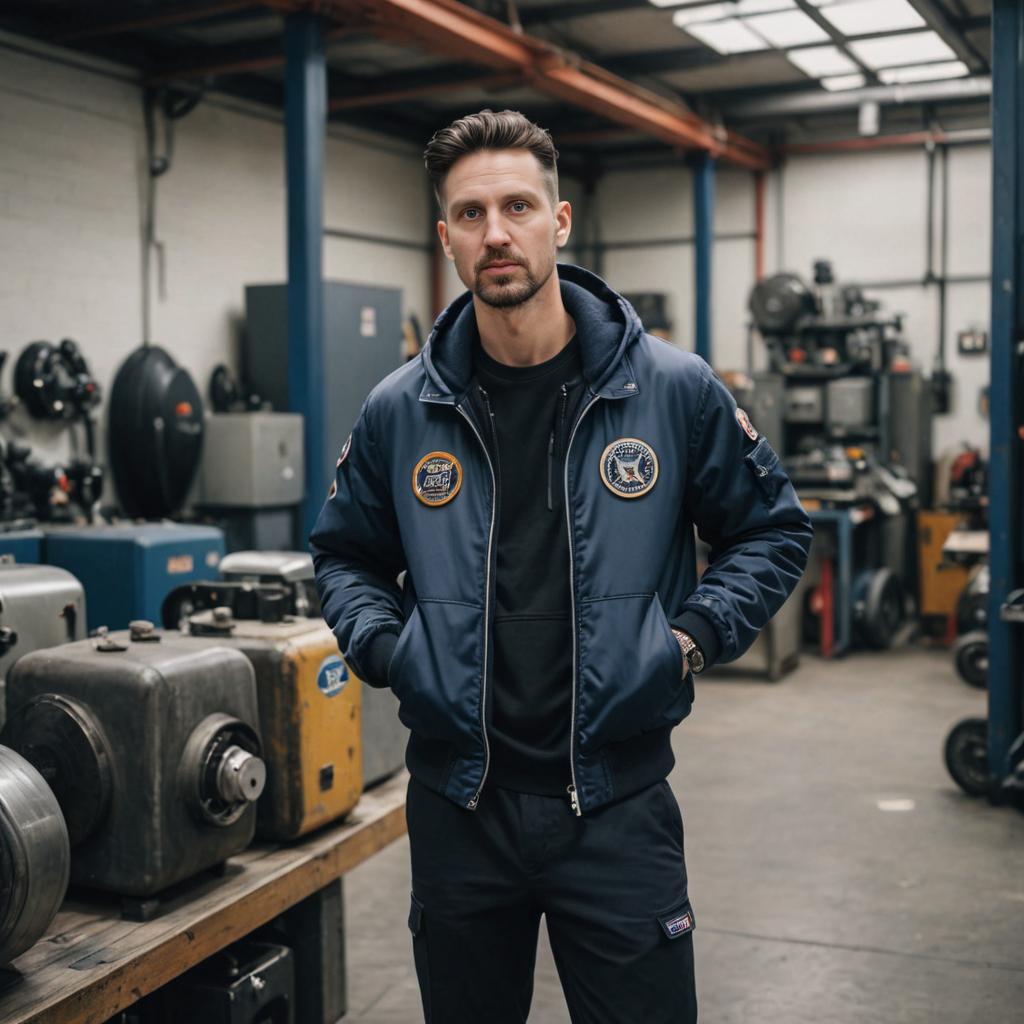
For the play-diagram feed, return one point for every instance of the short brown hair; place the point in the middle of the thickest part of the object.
(508, 129)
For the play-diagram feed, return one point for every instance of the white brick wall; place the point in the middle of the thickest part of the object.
(72, 166)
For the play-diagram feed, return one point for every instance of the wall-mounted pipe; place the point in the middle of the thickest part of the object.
(815, 101)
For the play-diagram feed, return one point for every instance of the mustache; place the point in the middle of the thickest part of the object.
(499, 257)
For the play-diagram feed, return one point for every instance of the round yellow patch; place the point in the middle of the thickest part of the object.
(437, 478)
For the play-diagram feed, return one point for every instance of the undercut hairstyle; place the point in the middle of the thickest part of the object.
(508, 129)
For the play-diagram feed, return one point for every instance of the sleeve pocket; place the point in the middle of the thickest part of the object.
(763, 464)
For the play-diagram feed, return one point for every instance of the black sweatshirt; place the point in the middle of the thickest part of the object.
(531, 699)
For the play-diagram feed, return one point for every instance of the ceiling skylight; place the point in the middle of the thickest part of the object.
(867, 16)
(894, 51)
(819, 61)
(840, 82)
(787, 28)
(709, 13)
(728, 36)
(924, 73)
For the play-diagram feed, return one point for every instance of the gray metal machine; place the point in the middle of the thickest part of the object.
(363, 334)
(253, 477)
(40, 606)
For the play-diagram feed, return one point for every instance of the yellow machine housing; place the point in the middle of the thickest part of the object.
(309, 711)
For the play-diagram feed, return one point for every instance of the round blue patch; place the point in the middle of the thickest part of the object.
(629, 467)
(332, 677)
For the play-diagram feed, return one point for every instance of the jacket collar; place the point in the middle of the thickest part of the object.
(606, 324)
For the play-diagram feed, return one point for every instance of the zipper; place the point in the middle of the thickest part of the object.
(551, 459)
(573, 795)
(472, 805)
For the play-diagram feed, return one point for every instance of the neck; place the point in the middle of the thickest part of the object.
(527, 334)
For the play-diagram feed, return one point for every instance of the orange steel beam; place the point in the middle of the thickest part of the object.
(458, 30)
(399, 95)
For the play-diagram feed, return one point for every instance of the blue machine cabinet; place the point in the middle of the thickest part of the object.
(127, 571)
(22, 546)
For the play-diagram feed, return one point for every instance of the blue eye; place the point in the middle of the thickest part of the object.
(519, 206)
(466, 213)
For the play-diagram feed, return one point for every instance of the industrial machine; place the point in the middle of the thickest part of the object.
(146, 561)
(361, 343)
(309, 707)
(253, 478)
(35, 858)
(247, 983)
(152, 750)
(262, 585)
(155, 433)
(40, 606)
(850, 418)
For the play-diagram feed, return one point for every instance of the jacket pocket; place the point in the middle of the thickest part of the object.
(630, 670)
(763, 463)
(436, 671)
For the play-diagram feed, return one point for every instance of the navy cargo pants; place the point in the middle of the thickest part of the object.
(611, 884)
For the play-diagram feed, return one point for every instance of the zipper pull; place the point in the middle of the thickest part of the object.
(472, 803)
(551, 453)
(574, 800)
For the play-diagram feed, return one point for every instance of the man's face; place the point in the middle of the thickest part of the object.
(500, 228)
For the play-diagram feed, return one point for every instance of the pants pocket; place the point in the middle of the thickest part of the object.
(417, 926)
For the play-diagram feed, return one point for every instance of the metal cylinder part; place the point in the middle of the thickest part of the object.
(35, 856)
(241, 776)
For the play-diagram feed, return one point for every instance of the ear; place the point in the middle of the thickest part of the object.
(442, 233)
(563, 223)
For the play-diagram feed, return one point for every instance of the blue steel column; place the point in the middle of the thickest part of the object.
(1005, 547)
(305, 130)
(704, 231)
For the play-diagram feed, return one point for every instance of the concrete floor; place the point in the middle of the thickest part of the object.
(814, 904)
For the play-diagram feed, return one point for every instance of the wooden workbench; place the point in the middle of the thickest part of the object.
(92, 963)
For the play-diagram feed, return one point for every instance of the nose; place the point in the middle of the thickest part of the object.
(497, 235)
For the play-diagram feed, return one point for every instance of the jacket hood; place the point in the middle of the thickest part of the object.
(606, 324)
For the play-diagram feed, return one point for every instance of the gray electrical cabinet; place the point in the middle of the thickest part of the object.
(362, 345)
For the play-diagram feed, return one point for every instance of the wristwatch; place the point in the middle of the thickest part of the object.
(693, 654)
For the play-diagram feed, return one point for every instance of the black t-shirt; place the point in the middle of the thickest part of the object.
(531, 702)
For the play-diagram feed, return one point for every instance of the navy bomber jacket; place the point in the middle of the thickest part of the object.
(656, 447)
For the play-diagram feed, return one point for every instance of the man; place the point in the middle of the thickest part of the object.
(537, 474)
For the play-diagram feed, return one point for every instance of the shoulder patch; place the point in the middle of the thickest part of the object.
(629, 467)
(344, 451)
(437, 478)
(744, 421)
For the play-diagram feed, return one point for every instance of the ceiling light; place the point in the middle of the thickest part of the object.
(788, 28)
(675, 3)
(868, 16)
(838, 83)
(819, 61)
(894, 51)
(924, 72)
(729, 36)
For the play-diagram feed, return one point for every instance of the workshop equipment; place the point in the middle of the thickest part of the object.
(155, 433)
(384, 737)
(34, 855)
(147, 561)
(247, 983)
(40, 606)
(253, 477)
(360, 344)
(152, 750)
(309, 712)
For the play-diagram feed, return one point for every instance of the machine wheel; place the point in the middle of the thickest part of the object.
(970, 655)
(967, 756)
(35, 857)
(877, 607)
